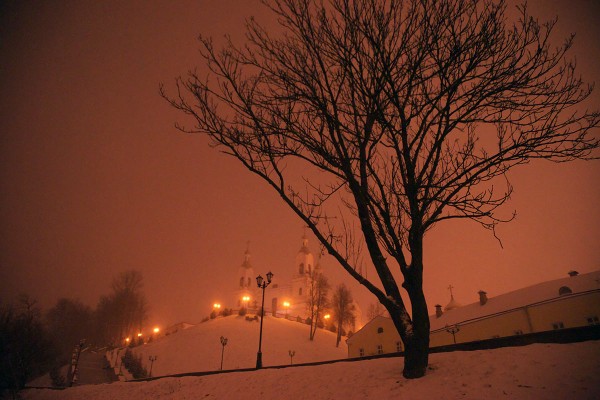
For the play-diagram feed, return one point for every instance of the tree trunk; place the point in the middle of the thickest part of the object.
(416, 344)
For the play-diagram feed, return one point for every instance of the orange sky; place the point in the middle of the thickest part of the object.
(95, 180)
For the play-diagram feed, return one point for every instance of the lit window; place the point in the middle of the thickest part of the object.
(380, 330)
(593, 320)
(558, 325)
(379, 349)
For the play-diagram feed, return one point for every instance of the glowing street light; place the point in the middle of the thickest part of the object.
(286, 305)
(156, 330)
(262, 284)
(216, 306)
(245, 300)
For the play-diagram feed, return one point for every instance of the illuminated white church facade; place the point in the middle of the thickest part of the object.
(281, 298)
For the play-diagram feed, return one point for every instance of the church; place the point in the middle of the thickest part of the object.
(282, 299)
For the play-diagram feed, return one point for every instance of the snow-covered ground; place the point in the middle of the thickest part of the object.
(539, 371)
(199, 348)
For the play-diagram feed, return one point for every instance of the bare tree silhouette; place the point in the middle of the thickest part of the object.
(408, 113)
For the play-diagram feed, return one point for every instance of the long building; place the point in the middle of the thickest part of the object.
(558, 304)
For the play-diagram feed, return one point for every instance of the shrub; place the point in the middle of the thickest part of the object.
(242, 311)
(133, 364)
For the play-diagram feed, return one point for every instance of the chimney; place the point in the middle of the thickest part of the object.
(438, 311)
(573, 273)
(482, 297)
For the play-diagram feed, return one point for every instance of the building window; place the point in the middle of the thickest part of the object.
(564, 290)
(593, 320)
(361, 352)
(398, 346)
(301, 269)
(249, 281)
(558, 325)
(242, 281)
(380, 330)
(379, 349)
(300, 292)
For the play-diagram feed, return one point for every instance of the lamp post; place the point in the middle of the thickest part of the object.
(292, 353)
(152, 359)
(286, 305)
(326, 317)
(453, 330)
(262, 284)
(223, 343)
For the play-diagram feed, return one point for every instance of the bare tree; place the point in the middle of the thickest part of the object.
(375, 310)
(407, 113)
(123, 313)
(342, 307)
(317, 301)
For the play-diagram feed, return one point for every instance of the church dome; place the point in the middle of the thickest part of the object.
(452, 304)
(246, 264)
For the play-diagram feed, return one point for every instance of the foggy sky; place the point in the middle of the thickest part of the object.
(95, 180)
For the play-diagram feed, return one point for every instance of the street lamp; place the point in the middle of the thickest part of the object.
(223, 343)
(453, 330)
(286, 305)
(245, 300)
(326, 317)
(152, 359)
(262, 284)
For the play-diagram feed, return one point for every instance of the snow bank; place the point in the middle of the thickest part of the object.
(539, 371)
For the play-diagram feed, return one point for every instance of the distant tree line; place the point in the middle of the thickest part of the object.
(33, 342)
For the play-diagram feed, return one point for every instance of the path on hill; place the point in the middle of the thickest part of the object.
(94, 369)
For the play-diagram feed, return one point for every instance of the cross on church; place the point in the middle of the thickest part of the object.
(450, 287)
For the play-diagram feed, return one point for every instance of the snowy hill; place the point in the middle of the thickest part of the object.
(199, 349)
(539, 371)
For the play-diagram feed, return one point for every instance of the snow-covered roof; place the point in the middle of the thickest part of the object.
(517, 298)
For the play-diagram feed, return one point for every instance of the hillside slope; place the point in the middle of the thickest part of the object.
(199, 349)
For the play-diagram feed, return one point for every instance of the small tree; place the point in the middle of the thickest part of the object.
(317, 301)
(375, 310)
(342, 307)
(26, 350)
(391, 116)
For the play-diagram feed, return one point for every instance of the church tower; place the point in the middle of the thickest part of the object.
(245, 282)
(301, 275)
